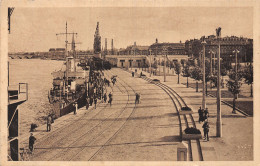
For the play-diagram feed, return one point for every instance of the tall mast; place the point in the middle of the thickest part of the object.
(66, 51)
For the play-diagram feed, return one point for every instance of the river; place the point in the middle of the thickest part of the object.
(37, 73)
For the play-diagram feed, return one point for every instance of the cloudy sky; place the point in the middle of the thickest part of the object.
(34, 29)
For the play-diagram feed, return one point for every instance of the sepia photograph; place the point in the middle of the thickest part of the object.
(129, 83)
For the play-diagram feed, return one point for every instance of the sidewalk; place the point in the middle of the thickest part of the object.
(236, 143)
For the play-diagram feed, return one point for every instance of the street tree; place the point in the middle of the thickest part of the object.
(183, 62)
(186, 71)
(248, 76)
(234, 84)
(177, 68)
(196, 74)
(223, 72)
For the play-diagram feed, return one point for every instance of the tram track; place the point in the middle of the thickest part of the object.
(183, 120)
(45, 140)
(107, 128)
(133, 110)
(77, 146)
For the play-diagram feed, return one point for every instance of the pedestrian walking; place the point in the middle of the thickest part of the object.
(137, 98)
(87, 103)
(95, 101)
(91, 101)
(76, 108)
(105, 97)
(141, 74)
(206, 114)
(206, 130)
(49, 121)
(200, 111)
(133, 74)
(110, 98)
(32, 139)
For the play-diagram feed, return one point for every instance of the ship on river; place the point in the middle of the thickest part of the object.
(69, 84)
(72, 85)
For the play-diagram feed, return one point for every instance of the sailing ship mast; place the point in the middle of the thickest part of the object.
(66, 55)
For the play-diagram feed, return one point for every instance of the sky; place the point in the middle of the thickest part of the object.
(34, 29)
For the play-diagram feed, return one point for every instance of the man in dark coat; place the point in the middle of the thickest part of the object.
(110, 98)
(200, 111)
(95, 101)
(206, 130)
(32, 139)
(105, 97)
(206, 114)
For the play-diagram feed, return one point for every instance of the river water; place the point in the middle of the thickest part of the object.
(37, 73)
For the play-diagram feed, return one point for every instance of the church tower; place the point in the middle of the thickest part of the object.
(97, 42)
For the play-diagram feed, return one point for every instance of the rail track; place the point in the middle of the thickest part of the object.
(184, 121)
(80, 144)
(82, 121)
(133, 110)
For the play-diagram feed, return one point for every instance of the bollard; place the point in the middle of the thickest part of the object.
(182, 151)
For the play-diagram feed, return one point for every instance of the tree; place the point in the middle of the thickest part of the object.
(183, 62)
(177, 68)
(196, 48)
(234, 85)
(223, 72)
(248, 76)
(186, 71)
(196, 74)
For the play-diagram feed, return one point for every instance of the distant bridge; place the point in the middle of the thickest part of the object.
(20, 56)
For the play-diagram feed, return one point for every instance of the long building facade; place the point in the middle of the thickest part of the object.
(228, 44)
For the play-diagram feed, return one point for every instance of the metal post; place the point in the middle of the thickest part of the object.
(236, 51)
(214, 55)
(150, 62)
(210, 61)
(159, 66)
(19, 88)
(164, 68)
(219, 120)
(8, 73)
(204, 78)
(164, 64)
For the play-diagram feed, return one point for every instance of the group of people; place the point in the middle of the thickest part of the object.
(203, 117)
(32, 139)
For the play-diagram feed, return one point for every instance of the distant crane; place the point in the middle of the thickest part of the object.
(10, 11)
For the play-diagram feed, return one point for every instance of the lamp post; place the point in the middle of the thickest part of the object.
(159, 65)
(214, 56)
(219, 120)
(164, 64)
(236, 52)
(204, 77)
(211, 52)
(150, 50)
